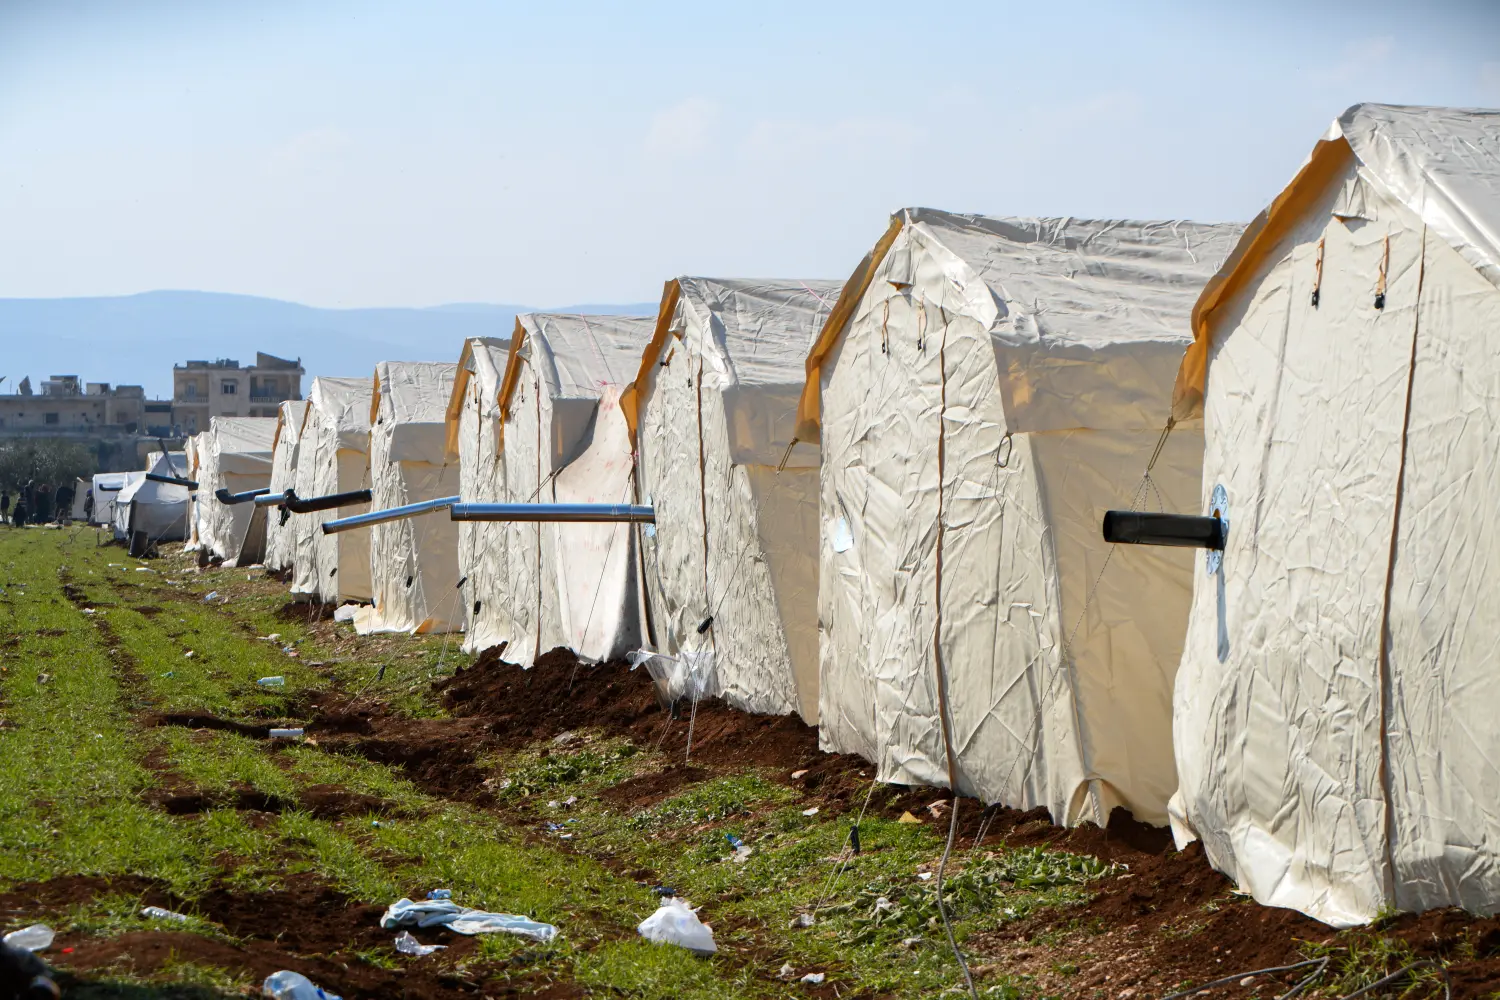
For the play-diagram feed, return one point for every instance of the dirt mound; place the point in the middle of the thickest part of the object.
(646, 790)
(305, 612)
(436, 754)
(204, 721)
(37, 898)
(306, 926)
(562, 693)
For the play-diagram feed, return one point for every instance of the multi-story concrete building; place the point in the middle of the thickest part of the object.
(68, 407)
(202, 390)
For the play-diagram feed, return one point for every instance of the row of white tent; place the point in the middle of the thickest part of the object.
(877, 504)
(138, 510)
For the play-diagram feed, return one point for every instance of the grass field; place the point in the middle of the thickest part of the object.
(135, 769)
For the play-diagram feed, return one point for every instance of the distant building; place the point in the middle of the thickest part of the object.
(202, 390)
(112, 421)
(67, 407)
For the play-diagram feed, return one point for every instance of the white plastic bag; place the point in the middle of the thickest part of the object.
(37, 937)
(462, 919)
(674, 922)
(688, 675)
(288, 985)
(408, 945)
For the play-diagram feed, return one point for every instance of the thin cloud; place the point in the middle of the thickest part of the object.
(685, 129)
(1357, 60)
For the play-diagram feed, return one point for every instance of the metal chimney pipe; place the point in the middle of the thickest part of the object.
(389, 514)
(590, 512)
(1186, 530)
(226, 497)
(171, 480)
(297, 505)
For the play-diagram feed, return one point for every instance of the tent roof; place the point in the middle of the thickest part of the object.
(179, 460)
(343, 401)
(1443, 164)
(482, 358)
(1058, 285)
(762, 326)
(244, 435)
(577, 355)
(416, 392)
(289, 417)
(145, 490)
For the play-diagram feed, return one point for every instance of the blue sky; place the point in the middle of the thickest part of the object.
(371, 154)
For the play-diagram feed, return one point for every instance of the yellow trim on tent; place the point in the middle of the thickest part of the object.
(630, 398)
(511, 376)
(810, 405)
(1329, 158)
(454, 414)
(375, 396)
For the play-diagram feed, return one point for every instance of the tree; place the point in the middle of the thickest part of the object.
(43, 460)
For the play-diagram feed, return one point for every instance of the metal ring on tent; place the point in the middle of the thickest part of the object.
(1003, 450)
(1219, 509)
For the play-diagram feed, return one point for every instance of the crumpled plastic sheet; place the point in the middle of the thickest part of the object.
(688, 675)
(463, 919)
(675, 922)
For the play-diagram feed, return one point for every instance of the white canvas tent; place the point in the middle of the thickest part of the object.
(233, 454)
(572, 585)
(1335, 707)
(413, 561)
(473, 442)
(147, 511)
(333, 457)
(279, 532)
(195, 507)
(714, 406)
(985, 389)
(107, 487)
(80, 498)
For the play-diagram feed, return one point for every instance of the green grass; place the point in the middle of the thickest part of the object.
(78, 769)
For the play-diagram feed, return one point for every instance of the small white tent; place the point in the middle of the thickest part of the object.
(148, 511)
(81, 489)
(233, 454)
(107, 487)
(473, 442)
(190, 448)
(1335, 707)
(279, 532)
(730, 567)
(984, 390)
(333, 457)
(413, 561)
(570, 585)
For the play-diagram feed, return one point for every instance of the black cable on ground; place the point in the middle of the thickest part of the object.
(1302, 984)
(963, 963)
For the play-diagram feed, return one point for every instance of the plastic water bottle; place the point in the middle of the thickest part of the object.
(157, 913)
(288, 985)
(285, 734)
(272, 682)
(37, 937)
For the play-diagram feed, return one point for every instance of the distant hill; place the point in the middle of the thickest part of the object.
(135, 339)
